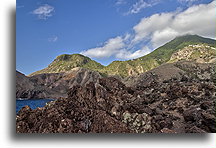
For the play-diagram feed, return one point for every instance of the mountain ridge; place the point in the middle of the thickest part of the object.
(126, 68)
(66, 62)
(157, 57)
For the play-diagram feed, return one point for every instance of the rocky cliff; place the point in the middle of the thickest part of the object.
(25, 88)
(53, 85)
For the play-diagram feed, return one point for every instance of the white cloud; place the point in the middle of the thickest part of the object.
(127, 37)
(162, 36)
(53, 39)
(116, 47)
(141, 4)
(120, 2)
(159, 29)
(125, 54)
(153, 23)
(44, 11)
(110, 48)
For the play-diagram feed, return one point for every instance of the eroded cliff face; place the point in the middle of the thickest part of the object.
(24, 87)
(53, 85)
(183, 103)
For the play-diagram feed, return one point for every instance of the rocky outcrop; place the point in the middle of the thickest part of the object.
(177, 105)
(201, 53)
(53, 85)
(25, 88)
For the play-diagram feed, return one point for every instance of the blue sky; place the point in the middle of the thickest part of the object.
(104, 30)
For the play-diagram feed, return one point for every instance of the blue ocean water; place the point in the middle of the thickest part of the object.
(33, 103)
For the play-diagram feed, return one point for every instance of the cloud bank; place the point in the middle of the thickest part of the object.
(163, 27)
(159, 29)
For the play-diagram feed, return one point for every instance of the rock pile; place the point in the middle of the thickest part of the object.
(183, 105)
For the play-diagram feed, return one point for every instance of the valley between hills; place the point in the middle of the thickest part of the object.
(170, 90)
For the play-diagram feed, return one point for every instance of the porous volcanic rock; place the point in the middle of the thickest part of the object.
(177, 105)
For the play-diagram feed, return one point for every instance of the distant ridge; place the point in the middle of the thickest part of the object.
(159, 56)
(67, 62)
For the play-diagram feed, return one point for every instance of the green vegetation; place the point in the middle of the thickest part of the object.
(157, 57)
(195, 54)
(125, 68)
(67, 62)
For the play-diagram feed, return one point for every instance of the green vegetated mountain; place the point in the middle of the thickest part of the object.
(163, 54)
(188, 47)
(67, 62)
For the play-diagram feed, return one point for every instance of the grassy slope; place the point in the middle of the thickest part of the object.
(67, 62)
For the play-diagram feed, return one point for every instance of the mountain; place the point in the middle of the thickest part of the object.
(162, 55)
(67, 62)
(171, 90)
(52, 85)
(187, 47)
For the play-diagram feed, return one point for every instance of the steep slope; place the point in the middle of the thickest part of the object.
(181, 70)
(25, 88)
(201, 53)
(53, 85)
(159, 56)
(22, 83)
(67, 62)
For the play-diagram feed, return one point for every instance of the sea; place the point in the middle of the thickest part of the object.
(32, 103)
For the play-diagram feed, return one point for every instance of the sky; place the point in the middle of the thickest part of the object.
(104, 30)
